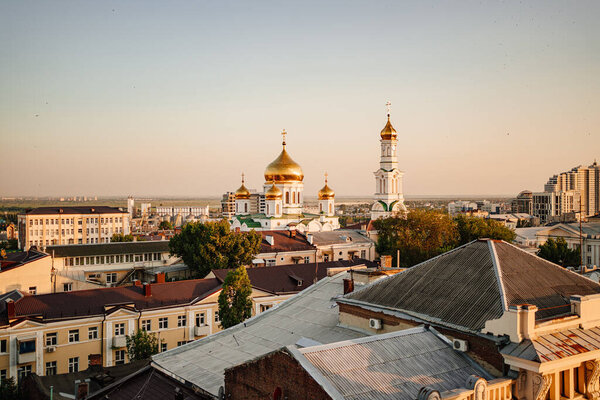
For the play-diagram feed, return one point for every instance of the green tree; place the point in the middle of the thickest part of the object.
(235, 303)
(141, 345)
(119, 237)
(9, 389)
(165, 225)
(558, 252)
(473, 228)
(420, 235)
(212, 245)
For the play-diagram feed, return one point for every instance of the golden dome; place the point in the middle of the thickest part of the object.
(274, 193)
(388, 132)
(326, 192)
(242, 193)
(283, 168)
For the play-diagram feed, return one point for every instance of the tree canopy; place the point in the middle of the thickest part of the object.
(165, 225)
(212, 245)
(235, 303)
(423, 234)
(558, 252)
(141, 345)
(119, 237)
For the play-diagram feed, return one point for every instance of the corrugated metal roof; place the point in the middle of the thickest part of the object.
(310, 314)
(76, 250)
(475, 283)
(339, 237)
(391, 366)
(556, 346)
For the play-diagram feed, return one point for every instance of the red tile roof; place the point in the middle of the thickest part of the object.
(81, 303)
(283, 242)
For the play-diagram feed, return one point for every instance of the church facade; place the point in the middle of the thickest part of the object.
(281, 202)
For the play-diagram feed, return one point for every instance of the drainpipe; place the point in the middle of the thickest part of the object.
(102, 338)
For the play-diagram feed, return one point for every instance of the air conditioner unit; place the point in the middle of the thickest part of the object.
(50, 349)
(375, 323)
(460, 345)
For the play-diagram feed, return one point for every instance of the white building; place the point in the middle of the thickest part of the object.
(389, 199)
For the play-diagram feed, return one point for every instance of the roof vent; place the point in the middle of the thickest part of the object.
(427, 393)
(270, 239)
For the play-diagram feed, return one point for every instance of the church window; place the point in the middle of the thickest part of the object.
(245, 207)
(267, 209)
(330, 212)
(294, 197)
(321, 207)
(287, 197)
(277, 209)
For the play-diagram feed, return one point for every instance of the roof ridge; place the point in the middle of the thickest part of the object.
(498, 272)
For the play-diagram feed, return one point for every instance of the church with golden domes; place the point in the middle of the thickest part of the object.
(281, 201)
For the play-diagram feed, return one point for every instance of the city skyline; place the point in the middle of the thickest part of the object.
(114, 99)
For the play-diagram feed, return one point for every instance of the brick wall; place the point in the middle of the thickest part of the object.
(259, 379)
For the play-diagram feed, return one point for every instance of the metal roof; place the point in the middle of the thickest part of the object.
(338, 237)
(99, 249)
(556, 346)
(311, 314)
(388, 366)
(475, 283)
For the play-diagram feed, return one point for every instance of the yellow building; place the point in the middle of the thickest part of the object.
(47, 226)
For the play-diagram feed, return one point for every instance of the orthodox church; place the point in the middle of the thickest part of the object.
(280, 206)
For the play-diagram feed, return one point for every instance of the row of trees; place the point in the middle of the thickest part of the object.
(423, 234)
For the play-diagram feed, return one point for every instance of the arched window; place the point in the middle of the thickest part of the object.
(267, 209)
(330, 211)
(277, 209)
(294, 197)
(321, 207)
(245, 207)
(287, 197)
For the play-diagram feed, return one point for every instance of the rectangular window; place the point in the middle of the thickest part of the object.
(217, 319)
(119, 357)
(74, 364)
(181, 320)
(3, 346)
(363, 254)
(93, 333)
(67, 287)
(51, 368)
(3, 375)
(51, 339)
(325, 257)
(306, 260)
(74, 335)
(27, 347)
(181, 343)
(111, 277)
(270, 262)
(147, 325)
(23, 371)
(265, 307)
(163, 347)
(163, 323)
(32, 289)
(120, 329)
(200, 319)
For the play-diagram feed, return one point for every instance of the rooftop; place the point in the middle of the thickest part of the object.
(310, 314)
(340, 236)
(283, 241)
(75, 210)
(76, 250)
(392, 366)
(475, 283)
(15, 260)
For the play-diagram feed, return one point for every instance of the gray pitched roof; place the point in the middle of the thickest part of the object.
(77, 250)
(340, 236)
(310, 314)
(388, 366)
(475, 283)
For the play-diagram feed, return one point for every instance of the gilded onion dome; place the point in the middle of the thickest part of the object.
(388, 132)
(242, 193)
(283, 168)
(274, 193)
(326, 192)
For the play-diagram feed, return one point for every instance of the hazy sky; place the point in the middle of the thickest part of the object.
(179, 97)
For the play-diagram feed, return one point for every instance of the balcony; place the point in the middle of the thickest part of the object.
(24, 358)
(202, 330)
(119, 341)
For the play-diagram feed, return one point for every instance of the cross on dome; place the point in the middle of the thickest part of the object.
(388, 106)
(283, 135)
(326, 175)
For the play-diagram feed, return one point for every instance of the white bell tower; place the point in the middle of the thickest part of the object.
(388, 178)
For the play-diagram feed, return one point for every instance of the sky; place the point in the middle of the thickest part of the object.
(178, 98)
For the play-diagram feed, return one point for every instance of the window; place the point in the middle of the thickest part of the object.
(120, 329)
(363, 254)
(111, 277)
(74, 364)
(270, 262)
(326, 257)
(163, 347)
(93, 333)
(51, 339)
(147, 325)
(3, 374)
(163, 323)
(27, 347)
(119, 357)
(589, 248)
(74, 335)
(306, 260)
(67, 287)
(200, 319)
(23, 371)
(32, 289)
(3, 346)
(217, 319)
(51, 368)
(265, 307)
(181, 343)
(181, 320)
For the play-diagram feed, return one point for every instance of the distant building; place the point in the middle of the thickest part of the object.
(461, 207)
(548, 205)
(172, 211)
(585, 181)
(228, 205)
(47, 226)
(523, 203)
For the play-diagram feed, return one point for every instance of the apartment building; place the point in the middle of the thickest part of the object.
(27, 271)
(45, 226)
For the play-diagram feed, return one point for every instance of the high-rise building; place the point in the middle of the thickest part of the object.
(585, 180)
(388, 178)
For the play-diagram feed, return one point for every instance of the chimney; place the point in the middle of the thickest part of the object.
(82, 388)
(348, 286)
(309, 238)
(160, 277)
(385, 261)
(527, 323)
(95, 359)
(147, 290)
(270, 240)
(10, 308)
